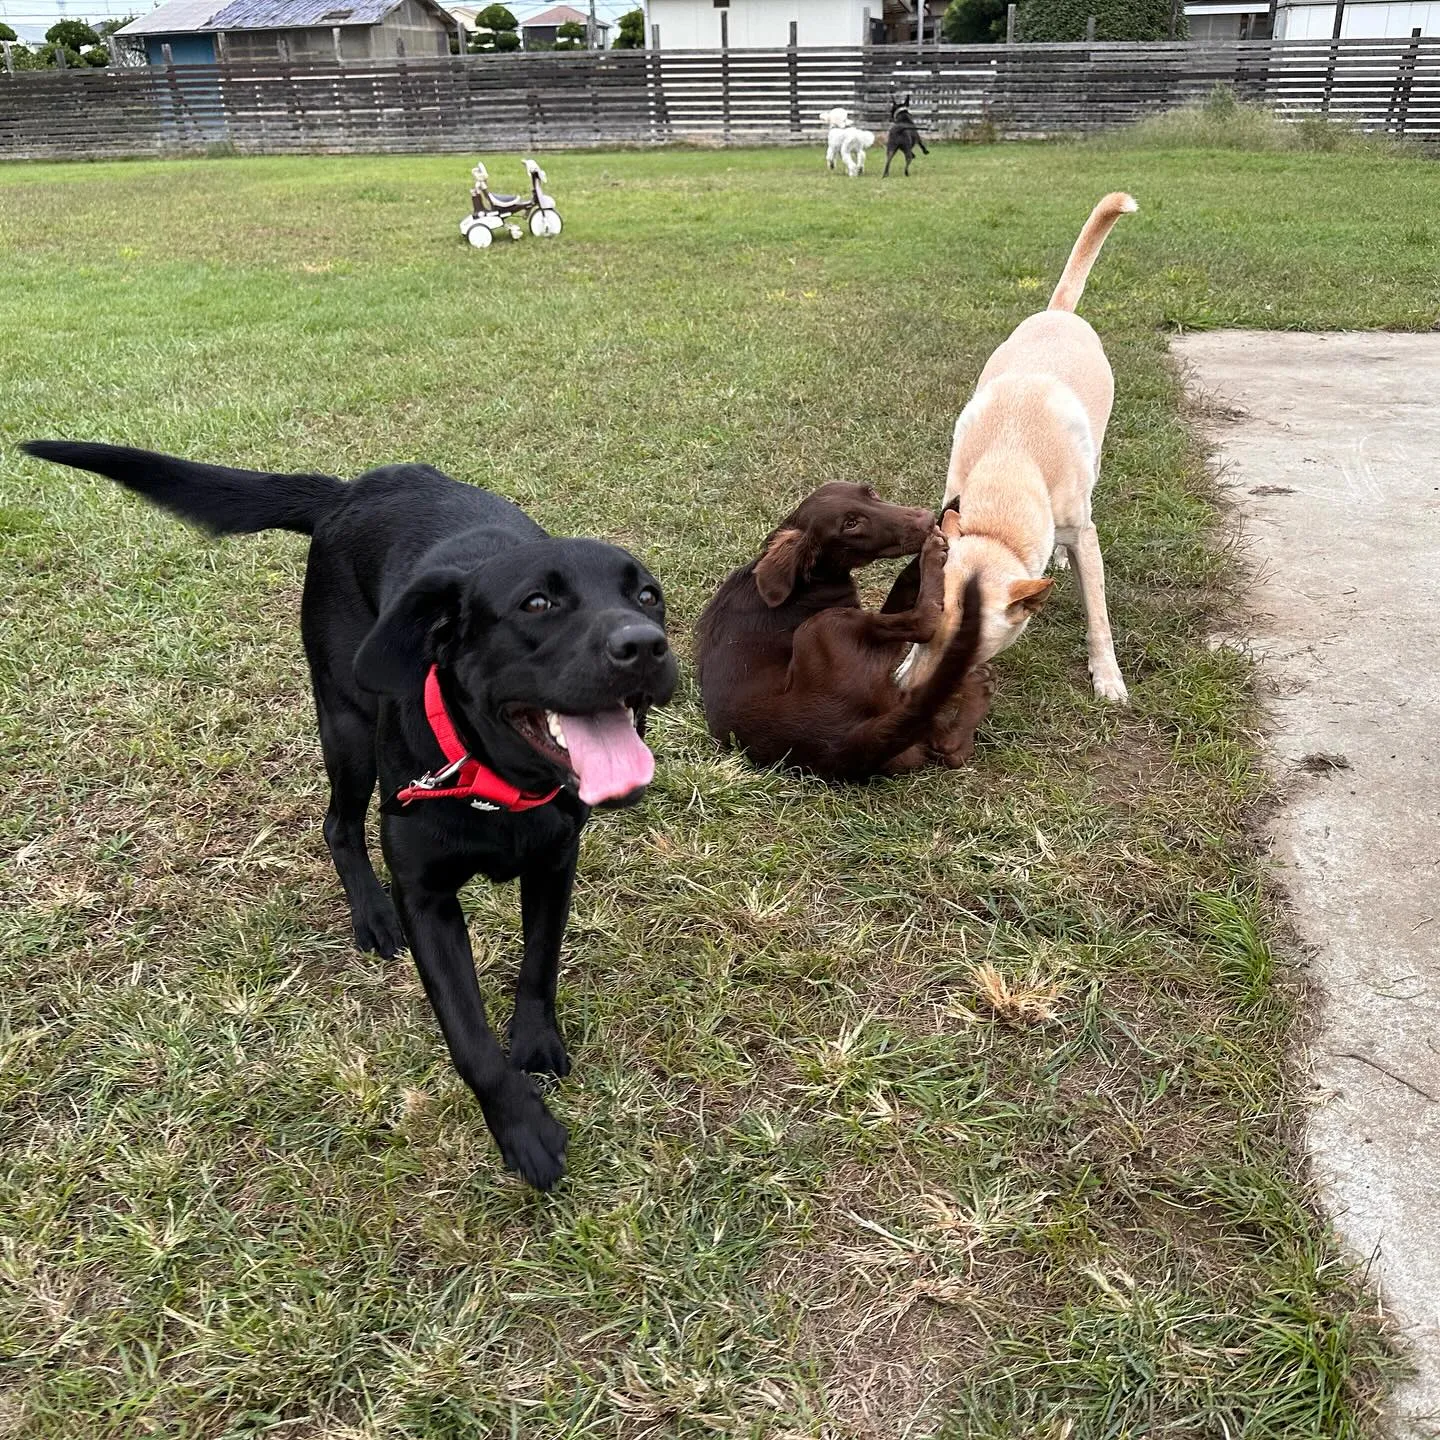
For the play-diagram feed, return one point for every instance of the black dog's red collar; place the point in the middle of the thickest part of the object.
(469, 779)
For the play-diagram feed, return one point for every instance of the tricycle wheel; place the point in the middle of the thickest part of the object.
(545, 222)
(479, 235)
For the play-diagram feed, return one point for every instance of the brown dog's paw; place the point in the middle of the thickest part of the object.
(933, 554)
(980, 685)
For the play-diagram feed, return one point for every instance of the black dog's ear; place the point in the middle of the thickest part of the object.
(417, 628)
(788, 556)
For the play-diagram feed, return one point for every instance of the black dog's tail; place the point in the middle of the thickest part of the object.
(882, 739)
(218, 499)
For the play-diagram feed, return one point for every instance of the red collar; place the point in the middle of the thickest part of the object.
(468, 779)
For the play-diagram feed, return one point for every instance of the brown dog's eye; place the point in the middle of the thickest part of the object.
(537, 604)
(853, 522)
(649, 596)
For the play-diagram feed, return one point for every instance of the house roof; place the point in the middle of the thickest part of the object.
(178, 16)
(561, 15)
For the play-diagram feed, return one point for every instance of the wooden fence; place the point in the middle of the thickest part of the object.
(535, 101)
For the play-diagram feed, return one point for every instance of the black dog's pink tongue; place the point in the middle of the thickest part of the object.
(607, 755)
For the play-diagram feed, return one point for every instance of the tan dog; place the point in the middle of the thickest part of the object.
(1022, 468)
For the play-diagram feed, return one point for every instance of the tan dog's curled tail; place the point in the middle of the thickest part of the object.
(1087, 247)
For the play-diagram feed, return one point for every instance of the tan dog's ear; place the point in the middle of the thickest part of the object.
(778, 568)
(950, 524)
(1026, 597)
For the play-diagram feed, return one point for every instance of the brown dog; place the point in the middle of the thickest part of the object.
(792, 668)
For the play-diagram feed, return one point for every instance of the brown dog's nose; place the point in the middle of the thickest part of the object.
(628, 646)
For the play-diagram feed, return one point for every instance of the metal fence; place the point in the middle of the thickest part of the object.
(733, 97)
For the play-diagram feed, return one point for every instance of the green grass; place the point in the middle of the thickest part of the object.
(818, 1187)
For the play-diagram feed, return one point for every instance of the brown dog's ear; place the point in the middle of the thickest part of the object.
(783, 562)
(1026, 597)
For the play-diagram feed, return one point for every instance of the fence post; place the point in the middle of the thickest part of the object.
(725, 75)
(654, 37)
(792, 61)
(865, 26)
(9, 59)
(1332, 55)
(1175, 12)
(1404, 83)
(1089, 29)
(919, 27)
(60, 57)
(1010, 23)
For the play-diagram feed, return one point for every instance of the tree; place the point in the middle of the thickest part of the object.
(630, 32)
(74, 35)
(495, 29)
(106, 28)
(570, 36)
(1057, 21)
(6, 33)
(973, 22)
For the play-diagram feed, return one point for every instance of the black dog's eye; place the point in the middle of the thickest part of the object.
(853, 522)
(649, 596)
(537, 604)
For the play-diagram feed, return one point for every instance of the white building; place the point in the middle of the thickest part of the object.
(761, 24)
(1311, 19)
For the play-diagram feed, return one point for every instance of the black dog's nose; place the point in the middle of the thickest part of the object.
(631, 645)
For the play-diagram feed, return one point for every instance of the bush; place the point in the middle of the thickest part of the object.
(96, 55)
(496, 31)
(45, 57)
(6, 33)
(630, 31)
(1057, 21)
(973, 22)
(74, 35)
(1221, 122)
(570, 36)
(496, 18)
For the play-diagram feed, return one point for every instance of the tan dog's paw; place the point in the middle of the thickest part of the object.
(1109, 686)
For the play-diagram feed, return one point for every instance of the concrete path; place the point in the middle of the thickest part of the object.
(1330, 446)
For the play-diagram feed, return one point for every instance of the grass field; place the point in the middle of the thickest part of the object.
(819, 1185)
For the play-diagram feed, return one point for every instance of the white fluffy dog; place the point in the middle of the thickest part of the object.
(854, 143)
(838, 121)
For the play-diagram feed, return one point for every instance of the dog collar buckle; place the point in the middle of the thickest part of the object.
(436, 778)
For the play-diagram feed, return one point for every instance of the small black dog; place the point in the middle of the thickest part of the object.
(498, 682)
(904, 135)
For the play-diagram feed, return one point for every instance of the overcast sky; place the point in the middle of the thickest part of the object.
(30, 19)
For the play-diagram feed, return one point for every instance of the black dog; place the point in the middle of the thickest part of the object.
(904, 135)
(452, 640)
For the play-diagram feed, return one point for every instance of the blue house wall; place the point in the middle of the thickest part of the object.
(185, 49)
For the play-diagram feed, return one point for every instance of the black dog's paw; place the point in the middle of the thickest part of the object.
(536, 1046)
(377, 929)
(531, 1139)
